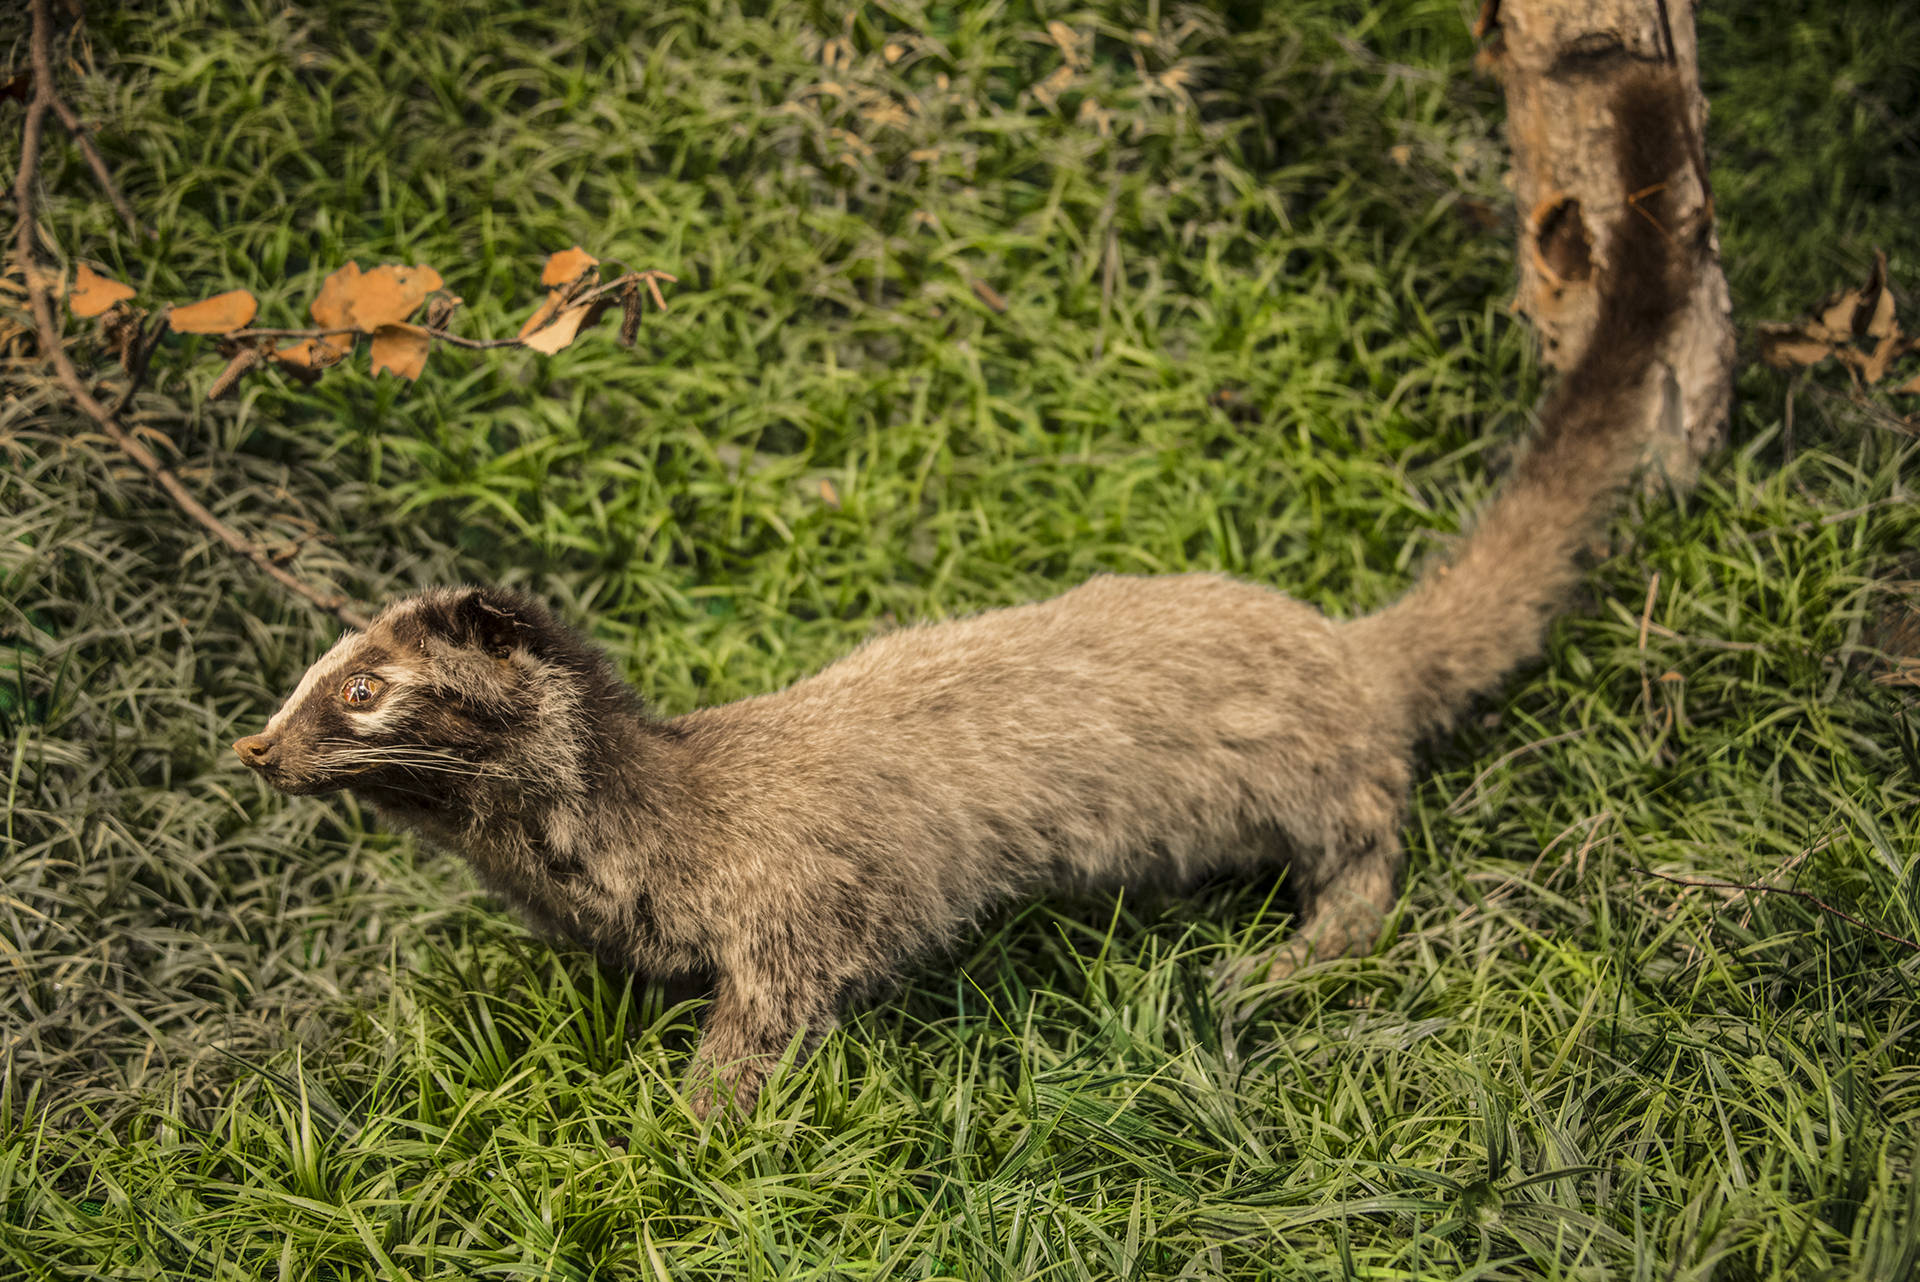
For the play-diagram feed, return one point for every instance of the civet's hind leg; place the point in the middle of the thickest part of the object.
(1347, 883)
(1345, 912)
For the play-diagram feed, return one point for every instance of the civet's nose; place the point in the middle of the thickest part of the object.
(256, 750)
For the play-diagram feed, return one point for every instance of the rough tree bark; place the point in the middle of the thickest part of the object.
(1559, 62)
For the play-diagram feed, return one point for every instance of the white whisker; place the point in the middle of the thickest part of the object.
(415, 758)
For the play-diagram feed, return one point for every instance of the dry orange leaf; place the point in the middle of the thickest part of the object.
(387, 295)
(541, 314)
(552, 337)
(1882, 324)
(1782, 346)
(1836, 317)
(1856, 313)
(309, 353)
(1909, 388)
(402, 349)
(565, 267)
(332, 309)
(1885, 352)
(1858, 327)
(221, 314)
(94, 293)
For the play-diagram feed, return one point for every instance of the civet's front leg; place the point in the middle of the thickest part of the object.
(762, 1001)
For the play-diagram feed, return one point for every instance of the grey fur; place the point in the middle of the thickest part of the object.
(800, 845)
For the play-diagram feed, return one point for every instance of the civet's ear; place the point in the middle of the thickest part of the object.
(492, 620)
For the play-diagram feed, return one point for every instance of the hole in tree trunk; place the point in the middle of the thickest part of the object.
(1560, 235)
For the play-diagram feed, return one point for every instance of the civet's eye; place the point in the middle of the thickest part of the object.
(360, 690)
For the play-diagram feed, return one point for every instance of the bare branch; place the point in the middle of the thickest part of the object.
(47, 326)
(246, 349)
(82, 136)
(1757, 888)
(649, 277)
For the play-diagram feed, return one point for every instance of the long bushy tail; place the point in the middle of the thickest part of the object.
(1467, 623)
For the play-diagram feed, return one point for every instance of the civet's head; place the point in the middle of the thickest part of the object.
(444, 690)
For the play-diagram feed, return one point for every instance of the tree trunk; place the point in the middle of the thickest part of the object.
(1559, 62)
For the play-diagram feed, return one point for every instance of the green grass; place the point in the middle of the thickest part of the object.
(245, 1036)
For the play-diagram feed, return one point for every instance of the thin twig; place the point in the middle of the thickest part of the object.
(1510, 883)
(1834, 518)
(241, 335)
(445, 336)
(1786, 866)
(1713, 642)
(474, 344)
(1755, 888)
(47, 325)
(77, 129)
(1459, 804)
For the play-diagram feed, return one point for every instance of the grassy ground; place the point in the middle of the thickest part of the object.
(1252, 322)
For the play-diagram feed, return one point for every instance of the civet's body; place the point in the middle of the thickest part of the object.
(799, 846)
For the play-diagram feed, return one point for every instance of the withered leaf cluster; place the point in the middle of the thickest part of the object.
(575, 297)
(375, 303)
(1857, 327)
(378, 304)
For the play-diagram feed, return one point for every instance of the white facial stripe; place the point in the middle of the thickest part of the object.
(329, 667)
(381, 718)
